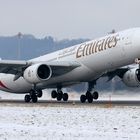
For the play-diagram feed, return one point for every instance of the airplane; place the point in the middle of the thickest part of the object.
(86, 62)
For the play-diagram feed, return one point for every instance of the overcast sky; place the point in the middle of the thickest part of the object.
(67, 18)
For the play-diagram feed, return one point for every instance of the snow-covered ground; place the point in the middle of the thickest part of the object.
(43, 123)
(19, 122)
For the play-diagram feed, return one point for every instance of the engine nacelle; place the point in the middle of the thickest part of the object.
(132, 78)
(37, 73)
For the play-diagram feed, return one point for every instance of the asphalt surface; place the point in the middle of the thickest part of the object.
(76, 103)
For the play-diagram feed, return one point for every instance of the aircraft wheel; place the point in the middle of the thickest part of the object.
(95, 95)
(34, 98)
(83, 98)
(32, 92)
(90, 99)
(88, 94)
(59, 96)
(27, 98)
(65, 97)
(39, 93)
(54, 94)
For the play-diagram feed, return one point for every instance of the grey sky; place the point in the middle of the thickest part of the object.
(67, 18)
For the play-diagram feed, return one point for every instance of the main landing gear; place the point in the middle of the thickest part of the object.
(33, 96)
(59, 95)
(89, 96)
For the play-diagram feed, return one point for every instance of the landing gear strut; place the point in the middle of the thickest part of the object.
(59, 95)
(89, 96)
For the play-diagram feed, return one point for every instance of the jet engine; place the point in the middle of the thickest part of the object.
(132, 77)
(37, 73)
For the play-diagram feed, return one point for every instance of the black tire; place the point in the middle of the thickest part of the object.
(65, 97)
(39, 93)
(83, 98)
(59, 96)
(90, 99)
(34, 98)
(54, 94)
(88, 94)
(95, 95)
(27, 98)
(32, 92)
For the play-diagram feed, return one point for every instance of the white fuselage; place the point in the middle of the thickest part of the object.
(96, 58)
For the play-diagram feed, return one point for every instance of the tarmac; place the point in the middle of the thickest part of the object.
(75, 103)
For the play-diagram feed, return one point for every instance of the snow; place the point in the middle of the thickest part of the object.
(95, 122)
(41, 122)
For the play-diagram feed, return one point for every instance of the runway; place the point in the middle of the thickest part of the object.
(70, 103)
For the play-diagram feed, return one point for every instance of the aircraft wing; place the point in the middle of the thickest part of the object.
(12, 66)
(18, 67)
(62, 67)
(118, 72)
